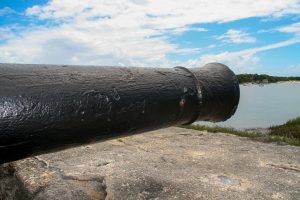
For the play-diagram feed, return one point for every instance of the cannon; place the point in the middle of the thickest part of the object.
(46, 108)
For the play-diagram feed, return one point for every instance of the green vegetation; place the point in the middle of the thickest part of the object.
(263, 78)
(287, 133)
(291, 129)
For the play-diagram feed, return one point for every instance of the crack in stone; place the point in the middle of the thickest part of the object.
(45, 163)
(103, 164)
(75, 178)
(39, 190)
(285, 167)
(100, 180)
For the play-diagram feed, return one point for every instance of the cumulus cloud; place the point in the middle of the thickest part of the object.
(123, 32)
(236, 36)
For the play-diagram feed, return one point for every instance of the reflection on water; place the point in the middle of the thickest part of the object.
(263, 106)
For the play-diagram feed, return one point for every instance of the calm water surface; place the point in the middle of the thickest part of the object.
(264, 106)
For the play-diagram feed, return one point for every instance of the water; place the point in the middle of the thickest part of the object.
(264, 106)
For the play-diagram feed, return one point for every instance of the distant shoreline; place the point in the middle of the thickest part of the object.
(291, 81)
(255, 83)
(265, 79)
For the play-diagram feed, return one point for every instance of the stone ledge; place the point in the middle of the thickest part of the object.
(170, 163)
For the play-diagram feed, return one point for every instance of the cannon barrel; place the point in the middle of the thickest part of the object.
(45, 108)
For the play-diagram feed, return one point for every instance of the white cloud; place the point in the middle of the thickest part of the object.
(6, 11)
(165, 13)
(292, 28)
(295, 9)
(241, 61)
(123, 32)
(6, 34)
(236, 36)
(180, 30)
(294, 70)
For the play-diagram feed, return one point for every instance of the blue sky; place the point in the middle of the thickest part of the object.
(249, 36)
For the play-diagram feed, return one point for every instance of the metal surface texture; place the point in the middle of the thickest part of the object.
(45, 108)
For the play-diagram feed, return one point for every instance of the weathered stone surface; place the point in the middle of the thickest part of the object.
(171, 163)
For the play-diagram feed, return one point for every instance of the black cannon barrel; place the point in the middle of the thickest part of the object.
(45, 108)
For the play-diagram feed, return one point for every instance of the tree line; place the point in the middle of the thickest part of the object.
(264, 78)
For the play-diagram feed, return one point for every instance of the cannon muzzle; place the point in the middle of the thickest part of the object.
(45, 108)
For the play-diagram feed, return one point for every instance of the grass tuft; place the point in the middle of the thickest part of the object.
(291, 129)
(288, 133)
(219, 129)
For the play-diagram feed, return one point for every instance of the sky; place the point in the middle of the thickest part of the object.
(249, 36)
